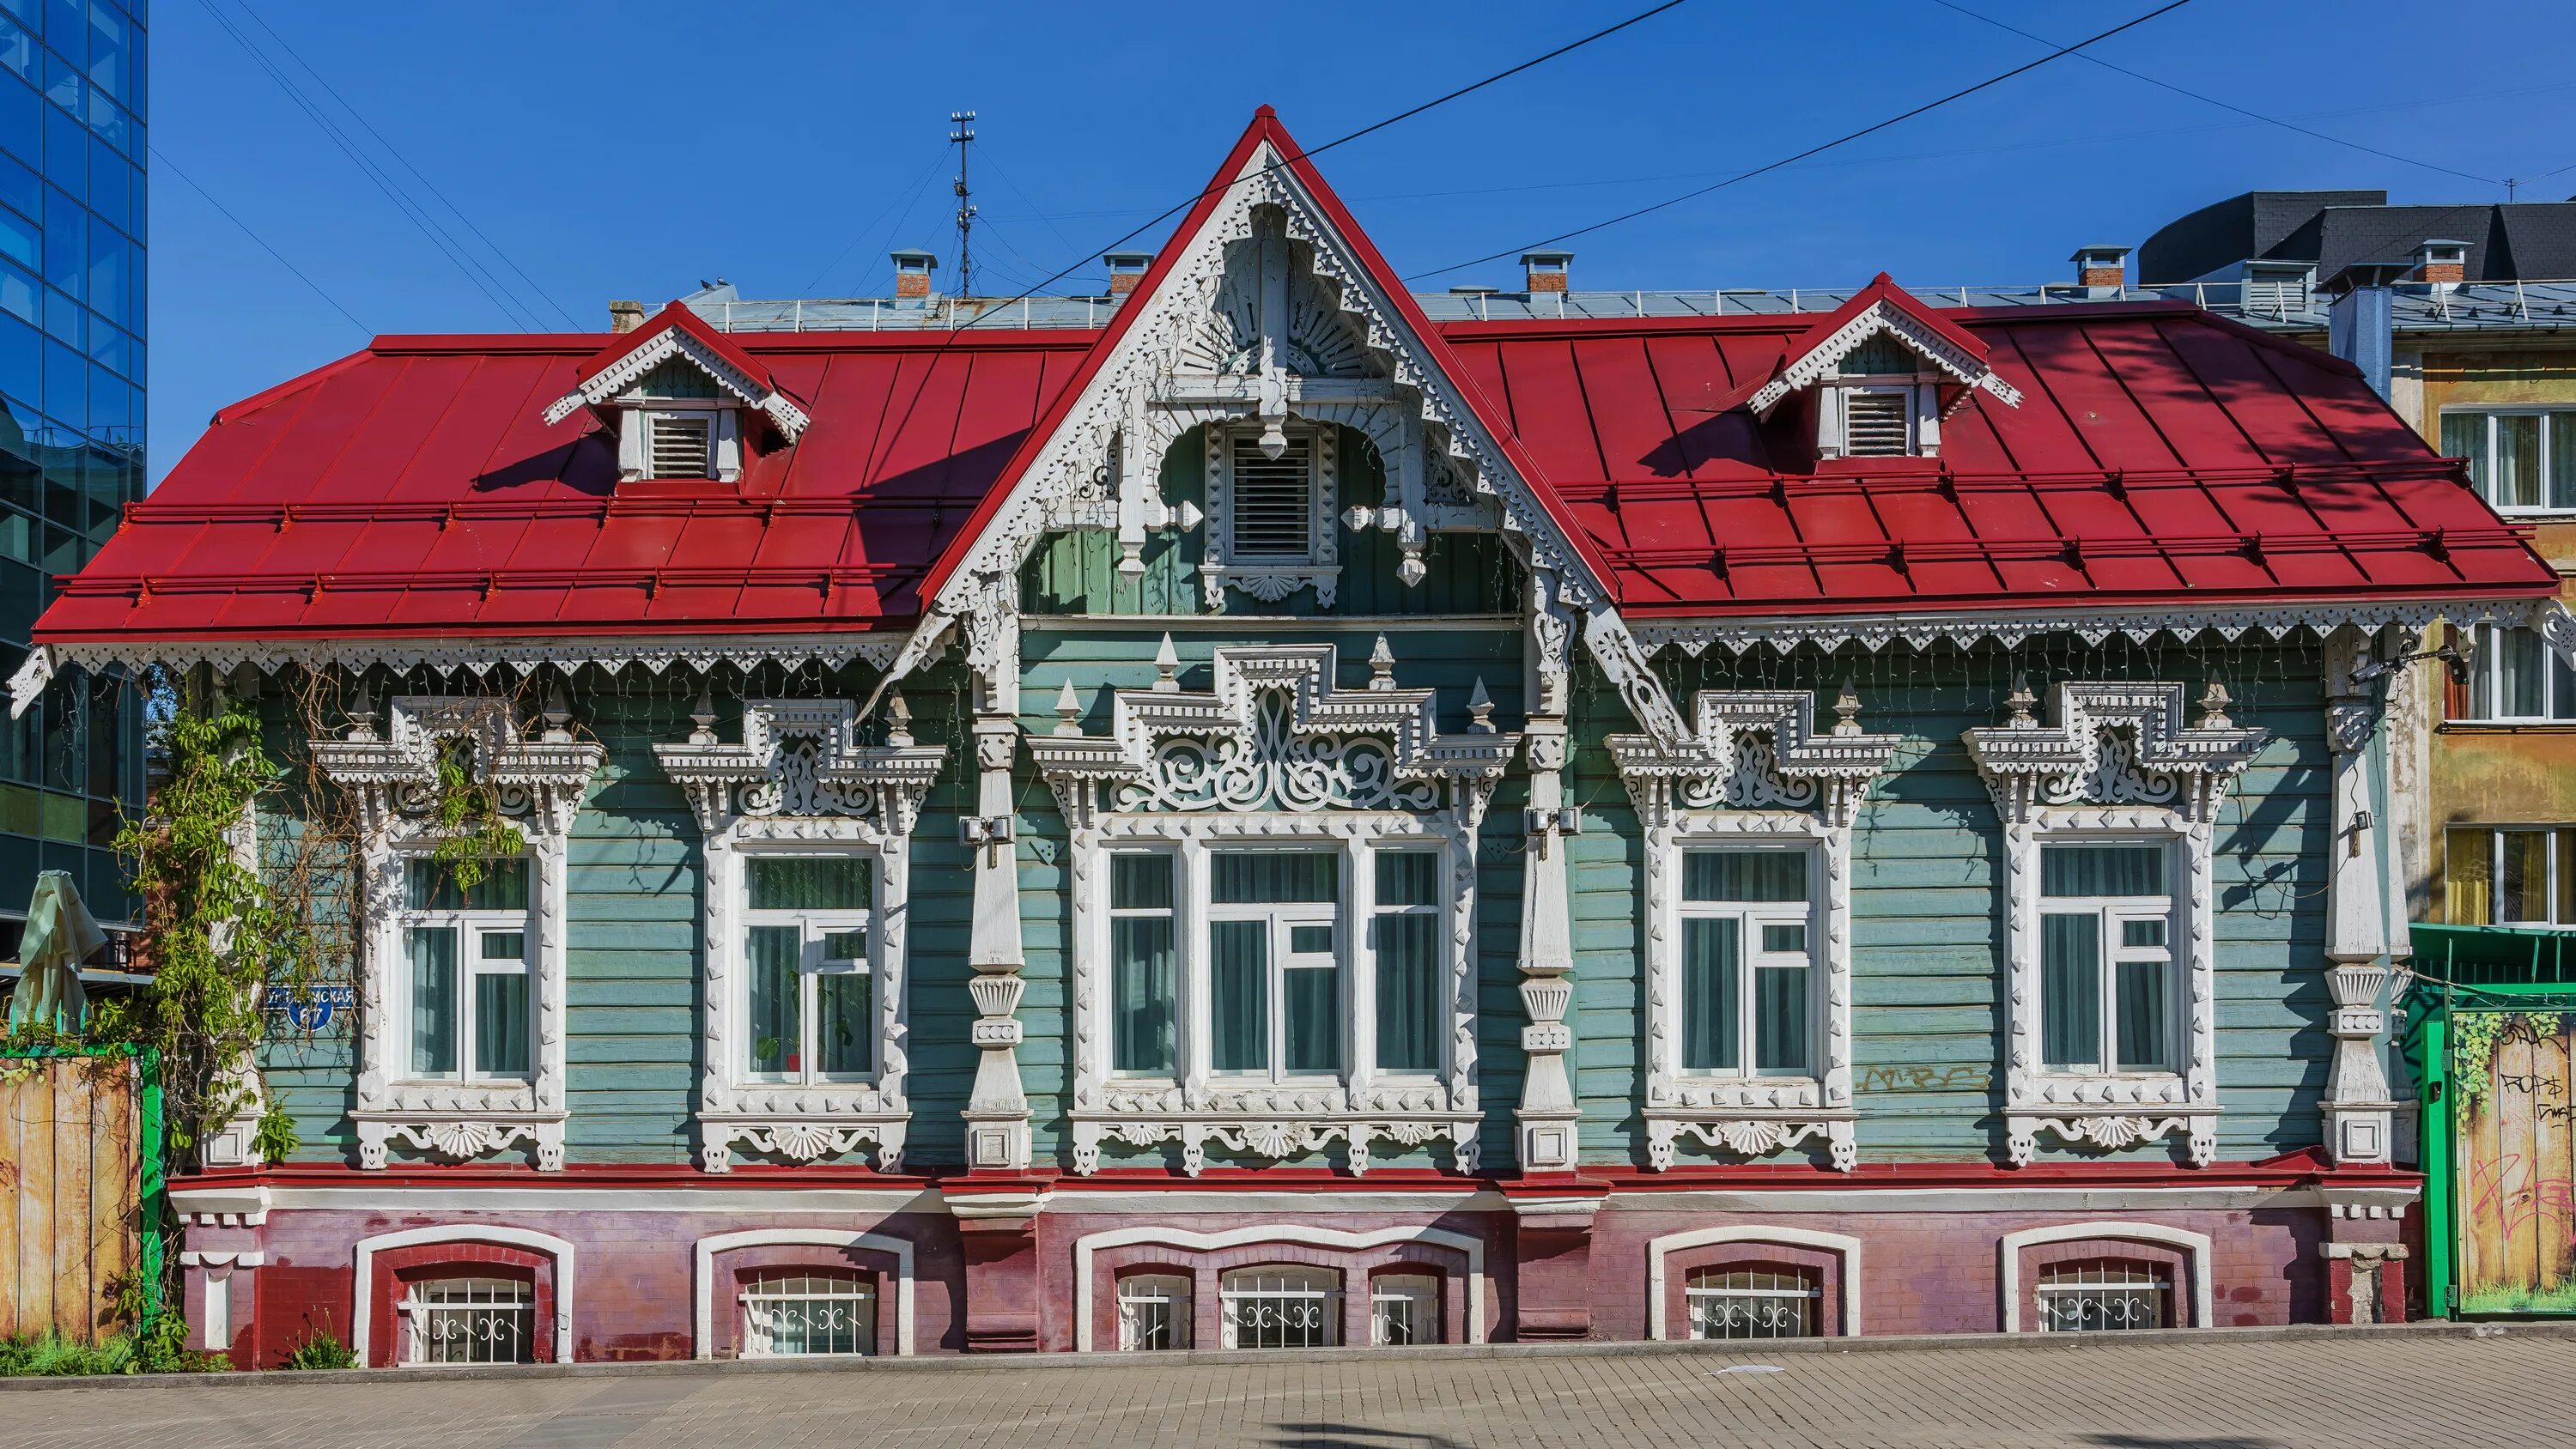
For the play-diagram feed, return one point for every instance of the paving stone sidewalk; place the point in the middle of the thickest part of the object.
(2206, 1392)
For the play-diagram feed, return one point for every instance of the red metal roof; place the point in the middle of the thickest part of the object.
(2160, 457)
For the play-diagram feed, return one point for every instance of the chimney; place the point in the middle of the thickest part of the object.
(2443, 264)
(1126, 269)
(2360, 319)
(624, 316)
(1546, 271)
(2101, 269)
(912, 271)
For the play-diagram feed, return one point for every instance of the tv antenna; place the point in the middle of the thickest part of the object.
(961, 134)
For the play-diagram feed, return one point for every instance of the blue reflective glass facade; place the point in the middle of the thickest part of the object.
(72, 221)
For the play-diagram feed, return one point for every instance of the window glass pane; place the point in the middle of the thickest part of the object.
(1311, 998)
(1408, 992)
(2567, 877)
(841, 946)
(1779, 939)
(2521, 672)
(772, 1038)
(809, 882)
(1273, 877)
(2464, 435)
(2468, 881)
(2102, 870)
(436, 885)
(2517, 460)
(2562, 460)
(501, 1023)
(1239, 994)
(1310, 940)
(1710, 950)
(1744, 875)
(1140, 882)
(2070, 991)
(845, 1038)
(2525, 872)
(1780, 1021)
(1408, 878)
(1141, 990)
(433, 1001)
(505, 946)
(2142, 933)
(2146, 1025)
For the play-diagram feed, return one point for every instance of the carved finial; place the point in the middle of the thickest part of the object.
(1381, 666)
(1068, 711)
(1167, 668)
(558, 716)
(1847, 710)
(362, 716)
(898, 720)
(2213, 707)
(703, 715)
(2019, 703)
(1480, 706)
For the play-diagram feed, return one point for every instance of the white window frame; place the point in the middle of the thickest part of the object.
(813, 926)
(1272, 577)
(2108, 914)
(2483, 467)
(2486, 678)
(470, 927)
(1173, 1293)
(1285, 1288)
(723, 417)
(854, 1293)
(1922, 414)
(2559, 844)
(1418, 1294)
(419, 1311)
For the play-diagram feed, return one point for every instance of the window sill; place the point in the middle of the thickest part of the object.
(2506, 727)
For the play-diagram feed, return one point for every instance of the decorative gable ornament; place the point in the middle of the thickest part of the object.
(2114, 744)
(1883, 309)
(394, 776)
(679, 333)
(1756, 750)
(801, 759)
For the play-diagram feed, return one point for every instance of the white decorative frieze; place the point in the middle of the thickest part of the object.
(1755, 776)
(2121, 767)
(620, 377)
(395, 778)
(800, 781)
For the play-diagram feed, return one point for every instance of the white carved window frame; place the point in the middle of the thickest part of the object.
(540, 784)
(770, 796)
(1756, 772)
(1268, 578)
(2119, 766)
(1157, 781)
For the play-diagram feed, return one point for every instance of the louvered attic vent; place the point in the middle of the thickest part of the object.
(1273, 503)
(679, 448)
(1877, 424)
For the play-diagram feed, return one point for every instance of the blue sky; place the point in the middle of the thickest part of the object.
(633, 149)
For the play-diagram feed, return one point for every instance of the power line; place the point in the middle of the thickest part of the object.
(1844, 139)
(390, 150)
(173, 168)
(2228, 105)
(907, 200)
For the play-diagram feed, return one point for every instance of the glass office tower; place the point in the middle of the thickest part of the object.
(72, 168)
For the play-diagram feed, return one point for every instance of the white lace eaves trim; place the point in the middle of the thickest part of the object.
(450, 657)
(1877, 631)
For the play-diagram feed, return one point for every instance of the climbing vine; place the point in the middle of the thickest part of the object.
(471, 830)
(2475, 1035)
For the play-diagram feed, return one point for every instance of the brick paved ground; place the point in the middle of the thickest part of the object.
(2419, 1392)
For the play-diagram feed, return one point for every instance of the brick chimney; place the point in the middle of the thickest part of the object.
(2442, 263)
(1126, 269)
(2102, 268)
(1546, 271)
(912, 271)
(625, 316)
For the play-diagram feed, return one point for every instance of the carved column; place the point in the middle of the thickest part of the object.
(1548, 1112)
(2358, 1112)
(997, 1113)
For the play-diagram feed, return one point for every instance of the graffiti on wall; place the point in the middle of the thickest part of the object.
(2515, 1077)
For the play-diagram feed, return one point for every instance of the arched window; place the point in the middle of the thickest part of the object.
(1283, 1307)
(1153, 1312)
(1404, 1309)
(469, 1320)
(809, 1313)
(2097, 1295)
(1753, 1301)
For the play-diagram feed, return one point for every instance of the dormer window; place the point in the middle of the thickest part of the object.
(684, 400)
(1879, 405)
(1272, 513)
(676, 446)
(679, 424)
(1883, 369)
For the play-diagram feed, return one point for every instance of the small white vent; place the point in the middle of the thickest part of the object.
(1877, 424)
(678, 448)
(1274, 502)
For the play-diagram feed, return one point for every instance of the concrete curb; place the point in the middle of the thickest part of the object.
(1732, 1352)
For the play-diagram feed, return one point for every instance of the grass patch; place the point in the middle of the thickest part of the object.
(159, 1349)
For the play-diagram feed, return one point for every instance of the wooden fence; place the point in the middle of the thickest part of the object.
(2517, 1162)
(79, 1183)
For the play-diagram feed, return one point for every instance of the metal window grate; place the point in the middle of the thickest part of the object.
(809, 1313)
(679, 448)
(470, 1320)
(1278, 1309)
(1153, 1313)
(1404, 1309)
(1752, 1303)
(1877, 424)
(1273, 501)
(2103, 1295)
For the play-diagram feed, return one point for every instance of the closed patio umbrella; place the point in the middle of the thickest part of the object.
(60, 935)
